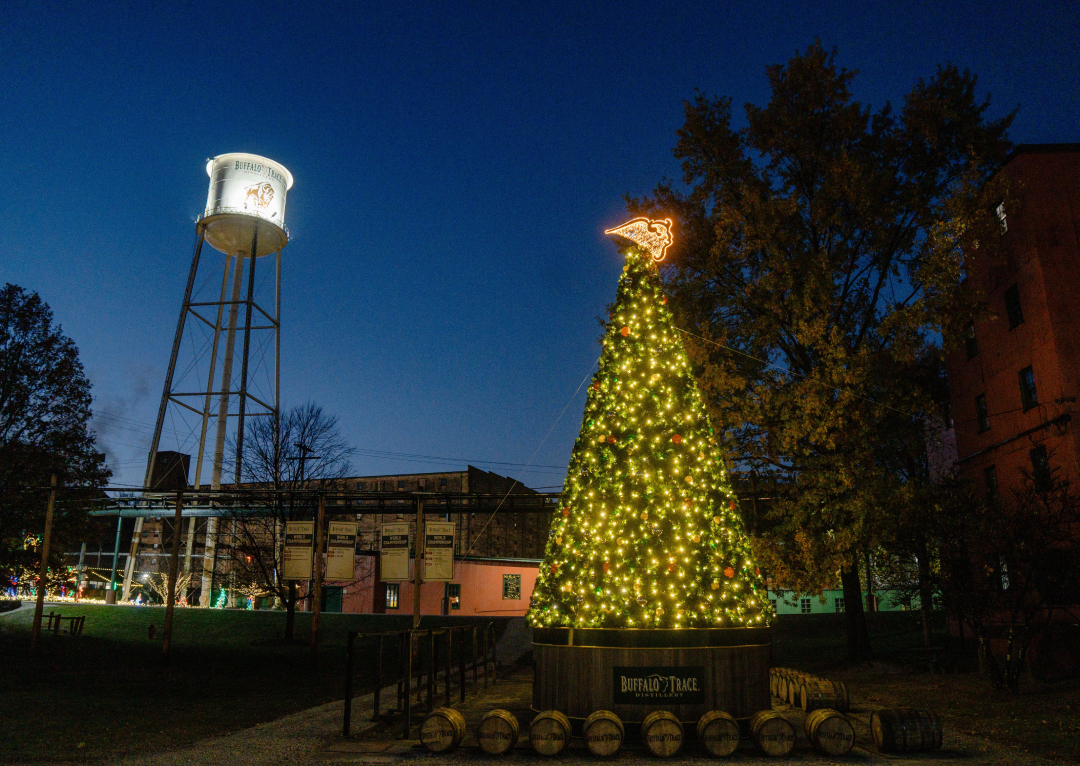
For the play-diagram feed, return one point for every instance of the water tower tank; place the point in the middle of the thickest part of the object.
(246, 191)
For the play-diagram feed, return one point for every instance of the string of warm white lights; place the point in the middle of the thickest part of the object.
(648, 533)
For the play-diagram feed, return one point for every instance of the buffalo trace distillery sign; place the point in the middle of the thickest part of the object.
(641, 685)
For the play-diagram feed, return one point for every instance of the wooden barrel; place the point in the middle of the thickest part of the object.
(905, 730)
(821, 693)
(603, 733)
(549, 732)
(772, 733)
(791, 688)
(829, 732)
(497, 732)
(718, 733)
(662, 733)
(442, 730)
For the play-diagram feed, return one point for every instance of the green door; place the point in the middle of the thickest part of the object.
(331, 598)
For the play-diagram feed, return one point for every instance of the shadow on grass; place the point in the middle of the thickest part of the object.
(107, 694)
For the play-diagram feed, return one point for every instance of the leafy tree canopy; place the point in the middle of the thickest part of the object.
(817, 265)
(44, 415)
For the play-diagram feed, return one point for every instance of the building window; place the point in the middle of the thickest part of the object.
(970, 342)
(1000, 210)
(839, 603)
(401, 484)
(442, 482)
(1027, 388)
(1012, 307)
(773, 602)
(1040, 468)
(982, 416)
(453, 594)
(359, 485)
(512, 586)
(393, 590)
(1003, 572)
(804, 605)
(990, 476)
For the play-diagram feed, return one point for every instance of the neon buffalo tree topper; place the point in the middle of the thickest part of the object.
(647, 534)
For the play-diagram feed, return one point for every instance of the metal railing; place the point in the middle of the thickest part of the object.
(412, 673)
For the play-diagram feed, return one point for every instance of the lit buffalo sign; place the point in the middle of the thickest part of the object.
(639, 686)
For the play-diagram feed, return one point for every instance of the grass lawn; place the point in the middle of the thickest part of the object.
(1042, 722)
(106, 694)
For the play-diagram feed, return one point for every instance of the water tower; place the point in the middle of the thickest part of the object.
(209, 391)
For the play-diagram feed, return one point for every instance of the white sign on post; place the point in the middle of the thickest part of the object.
(439, 551)
(340, 550)
(394, 551)
(299, 536)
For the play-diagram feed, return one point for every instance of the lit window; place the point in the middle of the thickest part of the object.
(453, 594)
(1000, 210)
(512, 586)
(1027, 388)
(804, 605)
(1012, 307)
(392, 592)
(982, 415)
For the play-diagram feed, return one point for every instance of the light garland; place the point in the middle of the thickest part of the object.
(648, 532)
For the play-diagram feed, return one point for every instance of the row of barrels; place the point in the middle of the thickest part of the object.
(900, 730)
(808, 691)
(662, 733)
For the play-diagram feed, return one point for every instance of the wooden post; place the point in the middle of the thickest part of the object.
(35, 639)
(449, 653)
(418, 579)
(316, 593)
(432, 667)
(174, 561)
(347, 722)
(378, 679)
(461, 662)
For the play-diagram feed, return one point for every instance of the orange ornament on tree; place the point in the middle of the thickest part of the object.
(596, 386)
(729, 572)
(624, 331)
(566, 512)
(611, 440)
(607, 566)
(677, 438)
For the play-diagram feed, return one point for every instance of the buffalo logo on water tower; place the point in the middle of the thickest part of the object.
(260, 194)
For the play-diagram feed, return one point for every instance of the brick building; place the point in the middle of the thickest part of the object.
(1014, 382)
(500, 548)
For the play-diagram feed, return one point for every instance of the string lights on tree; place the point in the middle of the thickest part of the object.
(648, 533)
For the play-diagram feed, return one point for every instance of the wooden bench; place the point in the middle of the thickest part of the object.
(75, 624)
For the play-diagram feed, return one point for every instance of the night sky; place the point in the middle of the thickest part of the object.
(455, 163)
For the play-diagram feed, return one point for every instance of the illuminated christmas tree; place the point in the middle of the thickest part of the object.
(648, 534)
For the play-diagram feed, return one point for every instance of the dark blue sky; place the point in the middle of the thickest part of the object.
(455, 164)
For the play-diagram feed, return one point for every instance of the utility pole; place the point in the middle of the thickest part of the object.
(418, 579)
(317, 587)
(42, 582)
(174, 571)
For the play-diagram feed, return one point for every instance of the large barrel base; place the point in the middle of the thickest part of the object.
(633, 672)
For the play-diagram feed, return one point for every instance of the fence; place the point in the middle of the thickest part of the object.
(411, 665)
